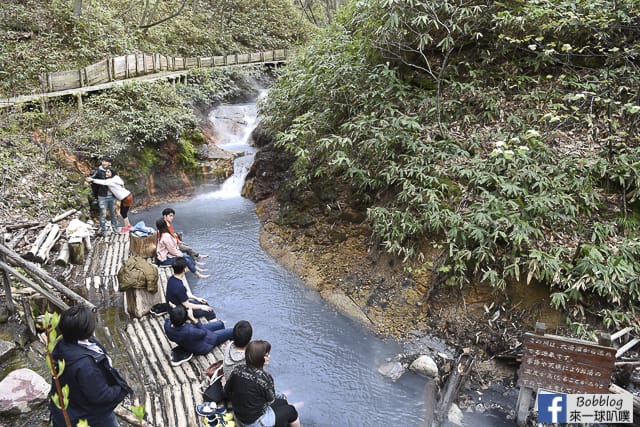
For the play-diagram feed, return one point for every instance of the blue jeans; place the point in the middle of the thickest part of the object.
(107, 420)
(207, 315)
(191, 264)
(105, 203)
(216, 335)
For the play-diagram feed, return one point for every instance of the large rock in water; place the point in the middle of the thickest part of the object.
(392, 370)
(425, 365)
(270, 168)
(21, 391)
(6, 348)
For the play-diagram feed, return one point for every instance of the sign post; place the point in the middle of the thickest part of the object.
(561, 364)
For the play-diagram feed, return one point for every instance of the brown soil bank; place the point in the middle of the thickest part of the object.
(328, 243)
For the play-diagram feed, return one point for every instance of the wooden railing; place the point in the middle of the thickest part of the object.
(136, 65)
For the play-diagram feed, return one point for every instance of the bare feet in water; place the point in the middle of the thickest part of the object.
(201, 276)
(203, 256)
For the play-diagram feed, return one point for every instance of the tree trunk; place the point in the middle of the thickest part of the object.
(77, 8)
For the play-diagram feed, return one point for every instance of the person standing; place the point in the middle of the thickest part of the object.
(105, 197)
(116, 185)
(252, 392)
(95, 386)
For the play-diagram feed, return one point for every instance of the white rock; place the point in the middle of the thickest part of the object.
(455, 415)
(425, 365)
(22, 390)
(392, 370)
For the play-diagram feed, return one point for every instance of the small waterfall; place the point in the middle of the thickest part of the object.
(233, 125)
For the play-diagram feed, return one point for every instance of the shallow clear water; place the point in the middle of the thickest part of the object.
(324, 362)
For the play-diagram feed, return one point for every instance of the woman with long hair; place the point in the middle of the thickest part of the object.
(167, 249)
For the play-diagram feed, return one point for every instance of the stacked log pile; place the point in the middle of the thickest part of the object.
(42, 243)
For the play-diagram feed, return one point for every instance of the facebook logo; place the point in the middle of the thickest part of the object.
(552, 408)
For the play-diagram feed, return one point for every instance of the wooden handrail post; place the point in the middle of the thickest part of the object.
(6, 281)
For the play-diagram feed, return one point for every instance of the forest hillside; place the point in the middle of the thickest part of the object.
(146, 128)
(488, 142)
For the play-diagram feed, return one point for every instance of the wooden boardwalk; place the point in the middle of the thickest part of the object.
(169, 393)
(116, 71)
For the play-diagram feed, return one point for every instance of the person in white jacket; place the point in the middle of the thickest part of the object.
(116, 186)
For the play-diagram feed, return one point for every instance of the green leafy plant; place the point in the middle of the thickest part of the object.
(139, 411)
(506, 130)
(61, 396)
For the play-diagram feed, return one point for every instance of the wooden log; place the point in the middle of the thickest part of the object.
(39, 274)
(63, 256)
(23, 225)
(55, 299)
(28, 316)
(6, 283)
(129, 417)
(87, 243)
(616, 389)
(31, 255)
(140, 301)
(430, 391)
(628, 346)
(455, 381)
(523, 406)
(16, 239)
(63, 215)
(76, 251)
(621, 332)
(43, 252)
(143, 246)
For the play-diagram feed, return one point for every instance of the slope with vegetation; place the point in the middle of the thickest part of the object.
(501, 136)
(153, 130)
(38, 37)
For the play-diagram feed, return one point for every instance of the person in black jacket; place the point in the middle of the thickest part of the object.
(106, 199)
(252, 392)
(95, 387)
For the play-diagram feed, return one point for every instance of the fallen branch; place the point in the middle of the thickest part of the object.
(23, 225)
(63, 215)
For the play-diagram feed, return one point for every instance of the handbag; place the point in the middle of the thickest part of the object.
(214, 391)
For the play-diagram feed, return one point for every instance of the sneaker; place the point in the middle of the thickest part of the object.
(126, 229)
(213, 412)
(159, 309)
(179, 356)
(206, 409)
(221, 421)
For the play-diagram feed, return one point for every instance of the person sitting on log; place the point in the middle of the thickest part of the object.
(167, 250)
(252, 392)
(95, 387)
(195, 337)
(168, 214)
(177, 293)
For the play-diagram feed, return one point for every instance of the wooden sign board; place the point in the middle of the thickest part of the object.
(565, 365)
